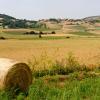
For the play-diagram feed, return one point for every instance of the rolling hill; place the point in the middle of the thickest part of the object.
(11, 22)
(83, 26)
(92, 18)
(7, 21)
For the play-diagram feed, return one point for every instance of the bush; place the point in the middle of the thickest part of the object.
(53, 32)
(68, 37)
(2, 38)
(30, 33)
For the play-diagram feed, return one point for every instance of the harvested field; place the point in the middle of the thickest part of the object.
(86, 49)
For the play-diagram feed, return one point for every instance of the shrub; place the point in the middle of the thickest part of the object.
(32, 32)
(68, 37)
(53, 32)
(2, 38)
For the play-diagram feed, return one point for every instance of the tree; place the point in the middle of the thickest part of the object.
(40, 34)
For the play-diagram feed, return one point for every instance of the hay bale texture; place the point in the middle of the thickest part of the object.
(14, 74)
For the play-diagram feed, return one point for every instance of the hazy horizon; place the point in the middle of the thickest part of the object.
(43, 9)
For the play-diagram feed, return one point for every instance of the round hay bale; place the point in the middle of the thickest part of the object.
(14, 75)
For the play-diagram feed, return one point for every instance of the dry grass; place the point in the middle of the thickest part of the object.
(86, 49)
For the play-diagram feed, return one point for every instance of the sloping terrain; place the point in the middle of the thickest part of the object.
(92, 18)
(84, 27)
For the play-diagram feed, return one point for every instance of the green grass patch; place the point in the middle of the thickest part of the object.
(79, 28)
(86, 89)
(14, 32)
(97, 28)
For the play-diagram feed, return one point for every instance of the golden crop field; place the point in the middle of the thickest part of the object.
(87, 50)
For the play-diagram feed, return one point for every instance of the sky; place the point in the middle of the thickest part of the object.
(44, 9)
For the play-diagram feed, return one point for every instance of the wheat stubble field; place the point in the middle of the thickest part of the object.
(87, 50)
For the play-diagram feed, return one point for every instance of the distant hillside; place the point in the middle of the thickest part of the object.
(7, 21)
(92, 19)
(11, 22)
(6, 16)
